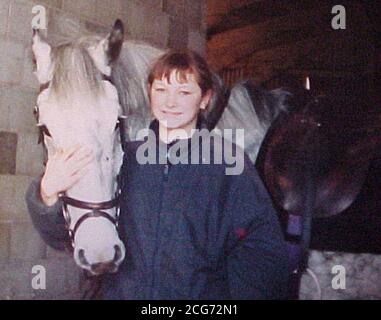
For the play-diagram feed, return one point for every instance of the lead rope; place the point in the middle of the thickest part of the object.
(93, 286)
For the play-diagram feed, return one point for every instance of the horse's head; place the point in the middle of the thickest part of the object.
(79, 106)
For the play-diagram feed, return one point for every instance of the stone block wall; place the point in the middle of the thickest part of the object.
(342, 276)
(164, 23)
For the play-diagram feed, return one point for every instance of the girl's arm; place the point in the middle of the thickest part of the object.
(48, 220)
(257, 261)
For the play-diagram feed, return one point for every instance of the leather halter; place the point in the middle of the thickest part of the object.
(96, 211)
(96, 208)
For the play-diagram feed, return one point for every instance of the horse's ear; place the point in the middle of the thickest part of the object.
(108, 49)
(42, 56)
(115, 41)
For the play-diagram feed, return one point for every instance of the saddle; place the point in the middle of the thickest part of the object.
(314, 161)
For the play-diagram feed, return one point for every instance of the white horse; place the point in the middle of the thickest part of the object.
(78, 106)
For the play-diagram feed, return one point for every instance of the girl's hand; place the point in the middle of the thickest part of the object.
(63, 170)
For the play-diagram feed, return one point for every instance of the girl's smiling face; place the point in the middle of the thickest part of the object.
(176, 104)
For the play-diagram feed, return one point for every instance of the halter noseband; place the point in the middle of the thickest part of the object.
(96, 211)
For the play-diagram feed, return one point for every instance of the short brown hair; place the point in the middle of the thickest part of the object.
(185, 62)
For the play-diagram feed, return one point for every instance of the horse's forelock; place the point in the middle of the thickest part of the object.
(74, 71)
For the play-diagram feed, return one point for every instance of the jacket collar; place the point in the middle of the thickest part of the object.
(154, 126)
(178, 150)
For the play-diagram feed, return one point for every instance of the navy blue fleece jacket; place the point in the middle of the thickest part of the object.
(190, 231)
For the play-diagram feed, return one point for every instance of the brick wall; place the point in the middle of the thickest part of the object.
(165, 23)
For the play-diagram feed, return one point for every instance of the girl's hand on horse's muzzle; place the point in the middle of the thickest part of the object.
(63, 170)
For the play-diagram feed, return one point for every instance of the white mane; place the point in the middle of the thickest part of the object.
(130, 75)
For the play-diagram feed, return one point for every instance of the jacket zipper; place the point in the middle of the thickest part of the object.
(166, 171)
(166, 168)
(165, 179)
